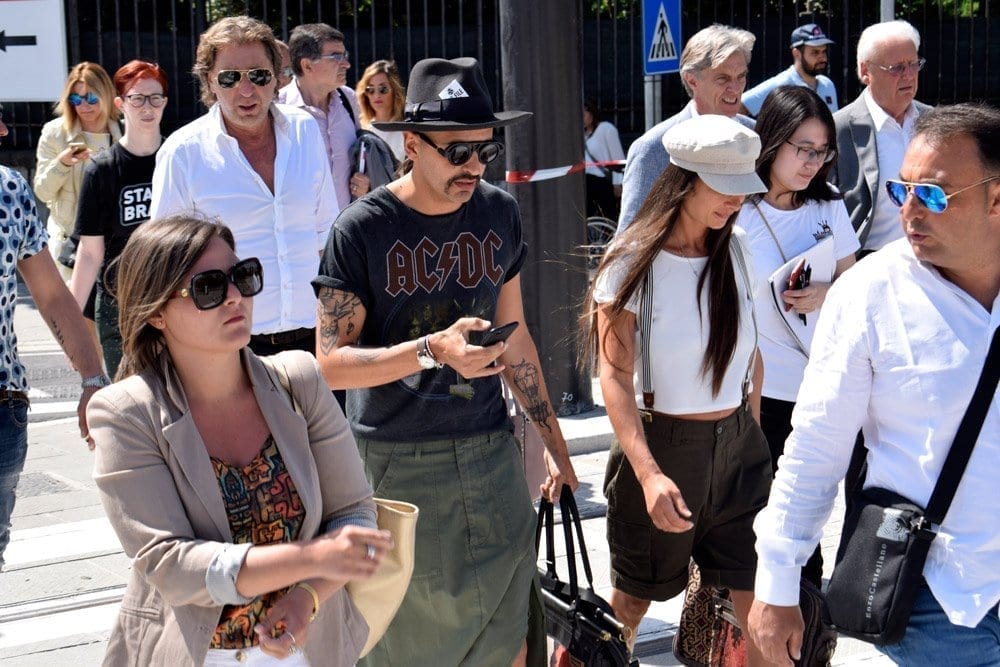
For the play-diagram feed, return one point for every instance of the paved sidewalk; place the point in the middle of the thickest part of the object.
(66, 571)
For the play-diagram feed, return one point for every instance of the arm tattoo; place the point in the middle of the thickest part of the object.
(526, 378)
(336, 311)
(61, 339)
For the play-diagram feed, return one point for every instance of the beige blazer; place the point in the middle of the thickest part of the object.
(161, 495)
(56, 184)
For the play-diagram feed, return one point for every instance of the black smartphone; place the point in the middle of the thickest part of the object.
(492, 336)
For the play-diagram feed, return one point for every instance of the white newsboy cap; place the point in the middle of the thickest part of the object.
(720, 150)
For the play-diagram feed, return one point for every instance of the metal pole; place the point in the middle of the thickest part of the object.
(887, 10)
(652, 86)
(542, 73)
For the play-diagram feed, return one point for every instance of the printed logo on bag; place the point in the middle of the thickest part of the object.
(894, 526)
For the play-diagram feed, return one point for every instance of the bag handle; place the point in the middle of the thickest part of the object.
(570, 518)
(965, 439)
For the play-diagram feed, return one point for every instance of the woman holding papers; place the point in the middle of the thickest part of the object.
(800, 217)
(671, 318)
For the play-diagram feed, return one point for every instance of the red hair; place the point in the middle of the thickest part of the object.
(131, 72)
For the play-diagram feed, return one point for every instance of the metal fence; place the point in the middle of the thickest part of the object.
(961, 41)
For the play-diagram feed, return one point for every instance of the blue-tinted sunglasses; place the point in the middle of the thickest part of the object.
(89, 98)
(932, 196)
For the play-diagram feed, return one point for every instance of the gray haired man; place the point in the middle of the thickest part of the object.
(714, 73)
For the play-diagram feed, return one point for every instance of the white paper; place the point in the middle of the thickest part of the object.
(453, 89)
(820, 258)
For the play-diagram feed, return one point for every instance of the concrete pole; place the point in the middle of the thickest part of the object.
(542, 71)
(654, 100)
(887, 10)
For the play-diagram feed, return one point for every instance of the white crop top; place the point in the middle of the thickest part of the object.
(679, 336)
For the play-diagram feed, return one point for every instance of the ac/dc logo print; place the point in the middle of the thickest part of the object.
(467, 260)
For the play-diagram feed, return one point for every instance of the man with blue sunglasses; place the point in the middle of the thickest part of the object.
(898, 350)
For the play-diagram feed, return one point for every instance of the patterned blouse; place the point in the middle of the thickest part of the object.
(263, 508)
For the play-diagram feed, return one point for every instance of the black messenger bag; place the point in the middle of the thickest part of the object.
(886, 537)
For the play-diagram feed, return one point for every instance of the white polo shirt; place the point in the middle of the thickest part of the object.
(201, 168)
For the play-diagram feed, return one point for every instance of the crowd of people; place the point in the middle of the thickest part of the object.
(303, 238)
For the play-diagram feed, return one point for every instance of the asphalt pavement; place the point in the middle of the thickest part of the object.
(66, 572)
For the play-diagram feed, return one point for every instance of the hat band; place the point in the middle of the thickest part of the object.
(457, 109)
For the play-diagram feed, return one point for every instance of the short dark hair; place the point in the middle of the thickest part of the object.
(306, 41)
(980, 122)
(783, 111)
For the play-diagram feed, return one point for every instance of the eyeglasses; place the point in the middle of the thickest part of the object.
(208, 289)
(138, 100)
(90, 98)
(811, 155)
(228, 78)
(932, 196)
(900, 68)
(460, 152)
(335, 57)
(381, 90)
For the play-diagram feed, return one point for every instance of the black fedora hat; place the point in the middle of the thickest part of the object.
(444, 95)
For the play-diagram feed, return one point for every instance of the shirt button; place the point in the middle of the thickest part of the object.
(718, 430)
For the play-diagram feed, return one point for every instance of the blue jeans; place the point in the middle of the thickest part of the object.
(13, 449)
(932, 640)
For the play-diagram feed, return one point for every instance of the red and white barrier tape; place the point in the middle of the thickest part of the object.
(556, 172)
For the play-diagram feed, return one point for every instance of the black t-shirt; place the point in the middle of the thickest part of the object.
(114, 200)
(417, 274)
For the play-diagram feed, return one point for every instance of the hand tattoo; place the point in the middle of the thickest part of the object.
(526, 378)
(337, 310)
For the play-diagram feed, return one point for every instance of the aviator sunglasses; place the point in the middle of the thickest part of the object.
(461, 152)
(228, 78)
(932, 196)
(90, 98)
(208, 289)
(381, 90)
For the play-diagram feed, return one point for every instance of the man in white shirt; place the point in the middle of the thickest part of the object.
(874, 130)
(899, 346)
(258, 167)
(714, 73)
(809, 60)
(320, 62)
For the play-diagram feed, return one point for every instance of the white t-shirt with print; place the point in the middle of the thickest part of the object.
(679, 335)
(797, 231)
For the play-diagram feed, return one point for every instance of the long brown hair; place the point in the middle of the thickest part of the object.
(94, 77)
(150, 269)
(387, 67)
(638, 247)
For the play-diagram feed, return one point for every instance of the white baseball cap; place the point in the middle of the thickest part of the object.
(720, 150)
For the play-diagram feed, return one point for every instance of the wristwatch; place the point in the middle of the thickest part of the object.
(95, 381)
(426, 358)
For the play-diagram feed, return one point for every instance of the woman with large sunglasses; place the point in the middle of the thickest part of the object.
(798, 211)
(381, 97)
(671, 317)
(232, 481)
(115, 196)
(86, 125)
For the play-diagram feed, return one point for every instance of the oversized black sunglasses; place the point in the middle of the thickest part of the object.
(228, 78)
(461, 152)
(208, 289)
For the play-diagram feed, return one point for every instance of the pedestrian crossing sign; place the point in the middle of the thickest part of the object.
(661, 29)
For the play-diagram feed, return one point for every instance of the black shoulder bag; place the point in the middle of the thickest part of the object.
(886, 537)
(579, 619)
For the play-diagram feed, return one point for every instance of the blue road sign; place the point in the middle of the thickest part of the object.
(661, 36)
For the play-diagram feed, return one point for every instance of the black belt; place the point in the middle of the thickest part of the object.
(283, 337)
(11, 395)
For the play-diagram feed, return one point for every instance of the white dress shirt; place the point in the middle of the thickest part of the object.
(201, 168)
(898, 348)
(891, 140)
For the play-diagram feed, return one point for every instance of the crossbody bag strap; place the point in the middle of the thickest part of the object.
(347, 105)
(965, 439)
(770, 230)
(645, 333)
(737, 247)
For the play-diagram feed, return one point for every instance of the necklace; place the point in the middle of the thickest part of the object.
(684, 252)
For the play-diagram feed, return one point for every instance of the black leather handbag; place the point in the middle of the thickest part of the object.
(577, 618)
(887, 537)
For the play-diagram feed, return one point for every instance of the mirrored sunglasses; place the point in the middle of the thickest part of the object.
(381, 90)
(228, 78)
(208, 289)
(461, 152)
(138, 101)
(90, 98)
(932, 197)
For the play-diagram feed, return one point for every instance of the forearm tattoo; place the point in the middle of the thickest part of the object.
(527, 379)
(337, 311)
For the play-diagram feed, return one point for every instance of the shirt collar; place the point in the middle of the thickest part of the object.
(880, 117)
